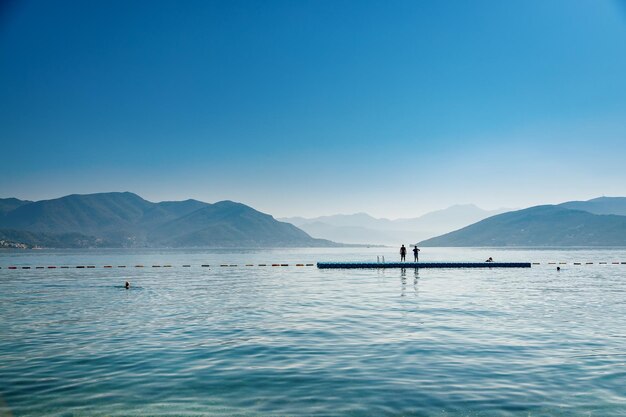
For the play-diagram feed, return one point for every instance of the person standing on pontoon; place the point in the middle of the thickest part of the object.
(402, 253)
(416, 254)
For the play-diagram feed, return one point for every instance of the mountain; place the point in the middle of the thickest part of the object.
(448, 219)
(539, 226)
(353, 234)
(230, 224)
(165, 211)
(127, 220)
(79, 213)
(181, 208)
(364, 229)
(10, 204)
(26, 239)
(600, 205)
(363, 220)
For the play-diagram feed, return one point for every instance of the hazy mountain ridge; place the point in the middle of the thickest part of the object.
(22, 238)
(10, 204)
(547, 225)
(600, 205)
(362, 228)
(352, 234)
(226, 222)
(127, 220)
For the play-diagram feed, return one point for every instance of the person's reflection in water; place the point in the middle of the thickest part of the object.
(403, 281)
(416, 276)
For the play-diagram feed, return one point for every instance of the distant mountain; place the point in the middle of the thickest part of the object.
(601, 205)
(160, 213)
(539, 226)
(181, 208)
(352, 234)
(25, 239)
(363, 228)
(127, 220)
(230, 224)
(448, 219)
(10, 204)
(363, 220)
(110, 215)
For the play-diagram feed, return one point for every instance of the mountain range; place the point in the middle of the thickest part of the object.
(127, 220)
(597, 222)
(364, 229)
(123, 219)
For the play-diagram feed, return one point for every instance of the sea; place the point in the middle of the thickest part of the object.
(240, 337)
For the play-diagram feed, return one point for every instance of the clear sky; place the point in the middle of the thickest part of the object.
(393, 108)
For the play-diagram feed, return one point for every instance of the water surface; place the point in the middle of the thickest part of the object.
(256, 341)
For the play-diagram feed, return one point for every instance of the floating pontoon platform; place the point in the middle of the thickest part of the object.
(356, 265)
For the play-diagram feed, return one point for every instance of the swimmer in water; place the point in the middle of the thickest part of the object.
(127, 285)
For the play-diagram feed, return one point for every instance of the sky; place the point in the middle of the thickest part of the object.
(308, 108)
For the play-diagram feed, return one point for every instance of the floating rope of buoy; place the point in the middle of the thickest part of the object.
(42, 267)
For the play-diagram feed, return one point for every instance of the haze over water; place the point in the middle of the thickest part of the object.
(302, 341)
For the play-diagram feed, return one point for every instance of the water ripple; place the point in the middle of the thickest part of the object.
(302, 341)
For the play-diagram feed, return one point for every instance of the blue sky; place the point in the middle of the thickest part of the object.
(394, 108)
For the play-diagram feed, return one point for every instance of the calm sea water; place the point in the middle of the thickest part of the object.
(298, 341)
